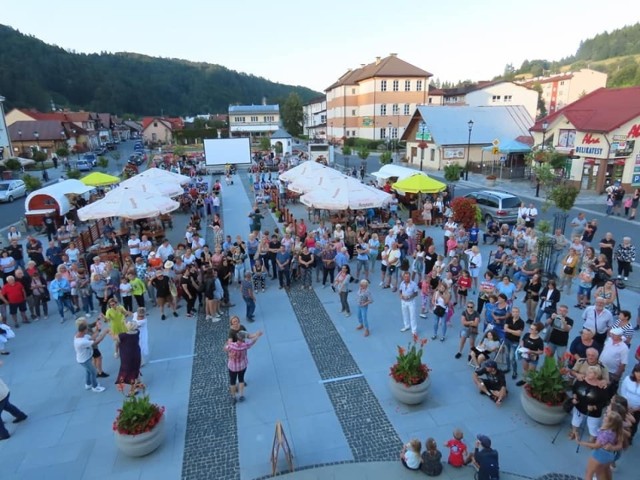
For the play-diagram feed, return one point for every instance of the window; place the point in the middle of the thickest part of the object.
(323, 119)
(395, 109)
(383, 133)
(383, 85)
(407, 85)
(430, 100)
(254, 119)
(496, 98)
(239, 119)
(353, 91)
(567, 138)
(432, 151)
(507, 98)
(353, 133)
(353, 112)
(155, 124)
(418, 85)
(407, 109)
(394, 132)
(396, 85)
(383, 109)
(562, 82)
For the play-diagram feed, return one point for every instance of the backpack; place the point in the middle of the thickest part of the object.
(488, 465)
(619, 193)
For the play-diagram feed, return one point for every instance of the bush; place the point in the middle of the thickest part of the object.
(363, 153)
(13, 164)
(452, 172)
(465, 211)
(103, 162)
(75, 174)
(346, 150)
(564, 196)
(32, 183)
(386, 158)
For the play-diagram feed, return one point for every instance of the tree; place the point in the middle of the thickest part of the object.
(32, 183)
(292, 114)
(265, 143)
(465, 211)
(363, 153)
(74, 174)
(386, 158)
(62, 152)
(39, 157)
(13, 164)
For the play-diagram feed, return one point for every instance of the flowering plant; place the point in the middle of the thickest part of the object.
(137, 415)
(409, 368)
(548, 384)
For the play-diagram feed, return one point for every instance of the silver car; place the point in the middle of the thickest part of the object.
(12, 189)
(499, 206)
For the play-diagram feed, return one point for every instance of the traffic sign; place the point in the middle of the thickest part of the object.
(495, 150)
(636, 180)
(496, 142)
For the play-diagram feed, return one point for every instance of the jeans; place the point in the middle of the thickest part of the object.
(87, 303)
(6, 405)
(362, 265)
(239, 272)
(284, 277)
(362, 316)
(327, 271)
(90, 373)
(438, 321)
(555, 258)
(344, 302)
(251, 306)
(306, 276)
(510, 354)
(65, 302)
(540, 314)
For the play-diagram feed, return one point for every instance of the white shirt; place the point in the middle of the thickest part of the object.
(145, 247)
(631, 391)
(614, 354)
(408, 290)
(84, 348)
(600, 322)
(164, 252)
(134, 246)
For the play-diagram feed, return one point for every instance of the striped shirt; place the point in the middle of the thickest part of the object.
(237, 352)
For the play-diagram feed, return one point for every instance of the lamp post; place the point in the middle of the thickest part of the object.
(466, 169)
(545, 125)
(389, 127)
(20, 136)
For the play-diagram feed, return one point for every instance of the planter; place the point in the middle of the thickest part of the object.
(491, 182)
(541, 412)
(413, 395)
(143, 444)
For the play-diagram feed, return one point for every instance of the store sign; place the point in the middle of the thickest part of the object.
(423, 133)
(590, 140)
(622, 148)
(590, 150)
(635, 180)
(634, 131)
(453, 153)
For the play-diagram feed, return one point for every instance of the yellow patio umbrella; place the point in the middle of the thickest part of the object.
(419, 183)
(99, 179)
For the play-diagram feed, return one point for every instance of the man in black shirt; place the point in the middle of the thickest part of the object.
(486, 459)
(163, 292)
(16, 252)
(34, 250)
(274, 248)
(430, 259)
(560, 325)
(494, 384)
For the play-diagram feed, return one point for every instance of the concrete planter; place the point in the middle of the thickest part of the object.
(143, 444)
(413, 395)
(541, 412)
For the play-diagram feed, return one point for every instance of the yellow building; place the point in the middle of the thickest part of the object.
(375, 101)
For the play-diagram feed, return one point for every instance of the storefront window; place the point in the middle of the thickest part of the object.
(567, 138)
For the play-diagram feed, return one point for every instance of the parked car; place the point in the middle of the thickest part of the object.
(12, 189)
(136, 159)
(100, 151)
(499, 206)
(84, 165)
(92, 158)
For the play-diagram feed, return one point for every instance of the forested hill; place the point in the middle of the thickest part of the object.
(33, 74)
(616, 53)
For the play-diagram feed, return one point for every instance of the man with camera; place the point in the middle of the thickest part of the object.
(559, 325)
(485, 459)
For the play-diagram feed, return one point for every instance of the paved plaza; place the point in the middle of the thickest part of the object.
(312, 371)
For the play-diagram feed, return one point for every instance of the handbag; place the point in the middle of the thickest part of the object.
(173, 290)
(568, 270)
(567, 405)
(439, 311)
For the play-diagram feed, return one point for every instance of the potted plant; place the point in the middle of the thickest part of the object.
(491, 180)
(409, 376)
(545, 390)
(139, 425)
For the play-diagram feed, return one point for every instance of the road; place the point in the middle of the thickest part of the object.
(11, 213)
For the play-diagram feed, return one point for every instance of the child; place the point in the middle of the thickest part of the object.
(125, 293)
(410, 454)
(464, 284)
(457, 449)
(431, 459)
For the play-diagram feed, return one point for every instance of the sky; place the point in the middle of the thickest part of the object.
(313, 43)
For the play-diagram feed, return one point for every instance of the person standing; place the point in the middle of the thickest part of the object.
(364, 300)
(130, 357)
(6, 405)
(470, 321)
(163, 293)
(408, 291)
(513, 328)
(615, 356)
(237, 363)
(625, 255)
(560, 324)
(598, 319)
(341, 286)
(249, 296)
(283, 262)
(14, 295)
(84, 344)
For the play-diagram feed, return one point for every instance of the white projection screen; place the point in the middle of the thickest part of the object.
(221, 151)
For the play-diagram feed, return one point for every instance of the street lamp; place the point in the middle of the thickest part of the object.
(20, 136)
(466, 170)
(389, 127)
(422, 145)
(545, 125)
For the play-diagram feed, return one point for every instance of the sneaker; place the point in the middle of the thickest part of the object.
(175, 314)
(404, 329)
(241, 398)
(514, 375)
(626, 278)
(233, 400)
(22, 418)
(381, 284)
(433, 337)
(62, 320)
(423, 315)
(442, 339)
(215, 319)
(163, 317)
(263, 290)
(103, 375)
(458, 355)
(520, 383)
(88, 314)
(87, 387)
(98, 389)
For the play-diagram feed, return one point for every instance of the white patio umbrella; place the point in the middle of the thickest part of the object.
(128, 202)
(158, 174)
(303, 169)
(168, 188)
(313, 178)
(346, 193)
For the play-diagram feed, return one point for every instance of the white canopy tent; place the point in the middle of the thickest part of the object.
(345, 193)
(54, 197)
(168, 188)
(127, 202)
(310, 176)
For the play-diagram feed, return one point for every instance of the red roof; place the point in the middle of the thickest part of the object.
(602, 110)
(173, 123)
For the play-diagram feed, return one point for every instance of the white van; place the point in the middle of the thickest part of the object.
(394, 173)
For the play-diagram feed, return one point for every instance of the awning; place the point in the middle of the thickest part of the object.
(510, 146)
(40, 212)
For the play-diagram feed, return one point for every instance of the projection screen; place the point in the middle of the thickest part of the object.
(221, 151)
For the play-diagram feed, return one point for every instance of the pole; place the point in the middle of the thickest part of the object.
(466, 170)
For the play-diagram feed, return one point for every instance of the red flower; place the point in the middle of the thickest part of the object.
(548, 352)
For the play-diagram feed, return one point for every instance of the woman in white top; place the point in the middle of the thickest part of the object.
(410, 229)
(523, 214)
(475, 264)
(73, 253)
(449, 231)
(338, 233)
(14, 234)
(410, 455)
(140, 319)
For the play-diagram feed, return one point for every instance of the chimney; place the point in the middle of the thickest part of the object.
(393, 54)
(264, 100)
(377, 60)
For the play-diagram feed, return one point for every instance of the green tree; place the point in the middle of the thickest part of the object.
(179, 150)
(39, 157)
(13, 164)
(363, 153)
(292, 114)
(32, 183)
(62, 152)
(75, 174)
(385, 158)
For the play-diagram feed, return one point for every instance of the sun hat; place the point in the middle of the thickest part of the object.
(168, 264)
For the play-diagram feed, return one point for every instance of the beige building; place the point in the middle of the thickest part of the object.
(314, 114)
(602, 132)
(562, 89)
(375, 101)
(487, 94)
(253, 120)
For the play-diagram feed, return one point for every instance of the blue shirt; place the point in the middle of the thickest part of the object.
(474, 232)
(508, 290)
(283, 257)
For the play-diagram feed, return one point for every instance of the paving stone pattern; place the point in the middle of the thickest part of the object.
(211, 443)
(364, 423)
(558, 476)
